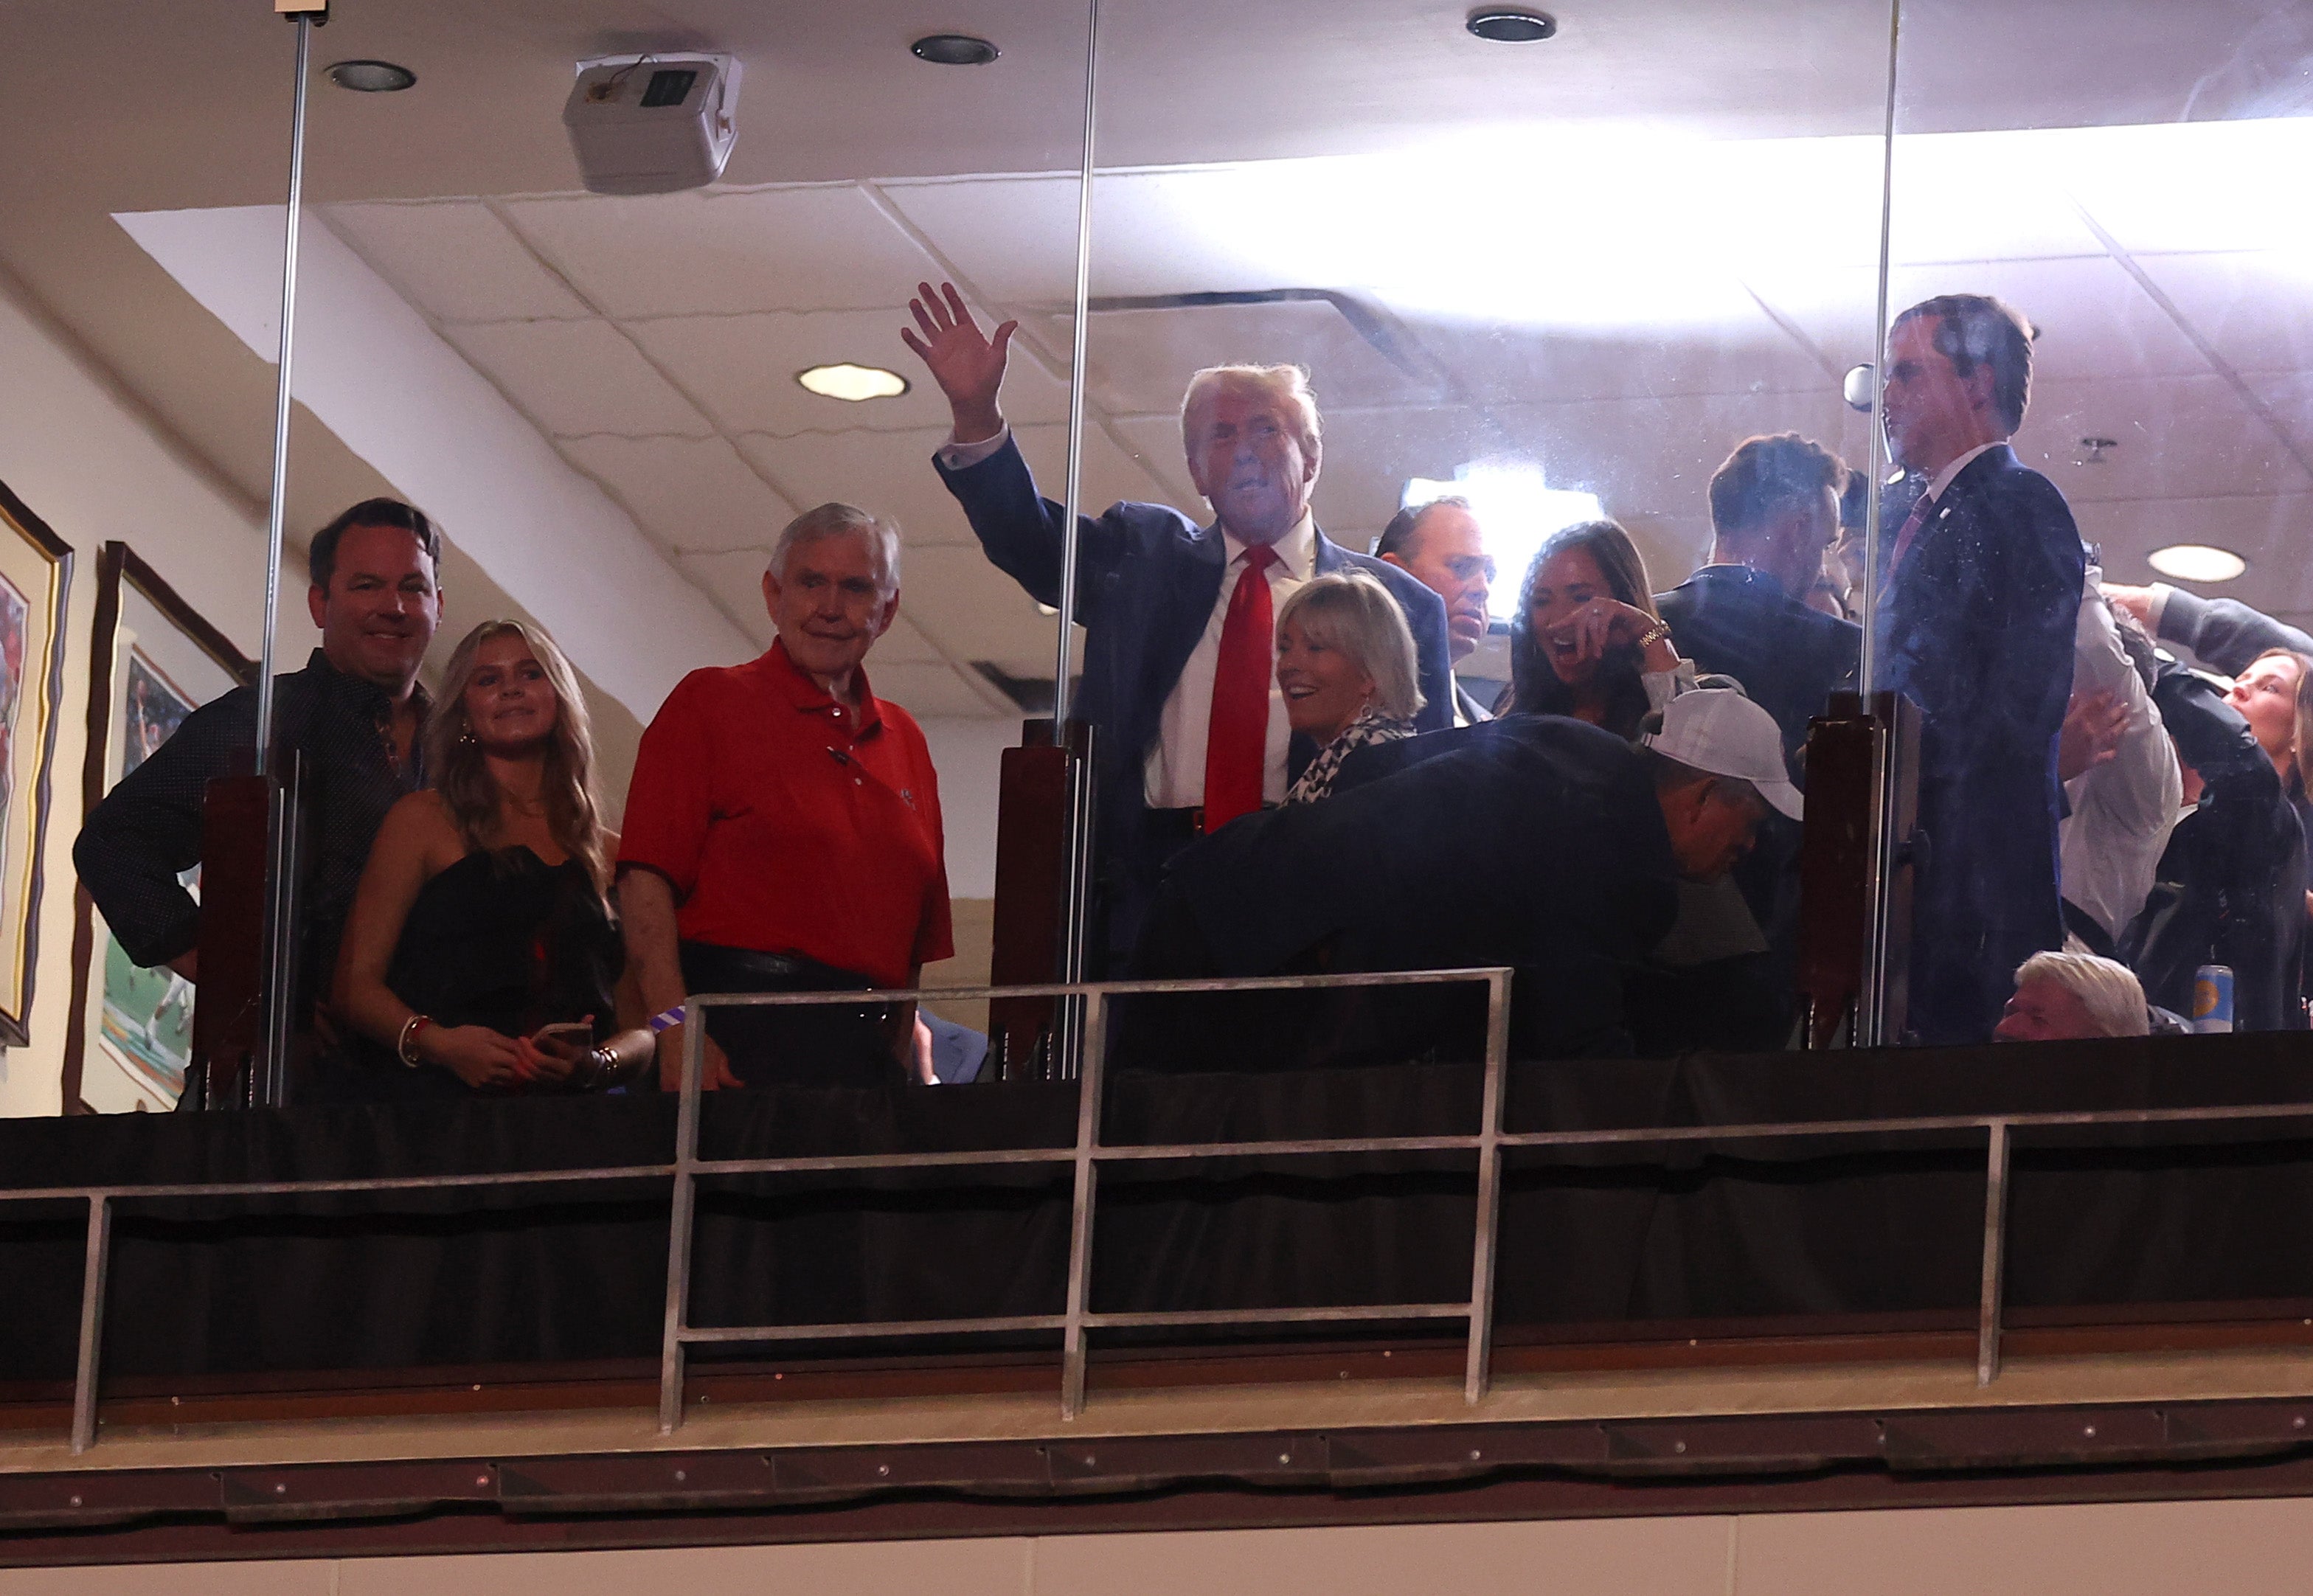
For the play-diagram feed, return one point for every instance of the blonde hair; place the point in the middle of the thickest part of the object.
(1351, 611)
(2110, 991)
(455, 768)
(1287, 384)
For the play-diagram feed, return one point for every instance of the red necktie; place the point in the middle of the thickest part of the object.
(1237, 743)
(1910, 530)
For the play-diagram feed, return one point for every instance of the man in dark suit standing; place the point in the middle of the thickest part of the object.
(1441, 545)
(1180, 651)
(1774, 510)
(1977, 614)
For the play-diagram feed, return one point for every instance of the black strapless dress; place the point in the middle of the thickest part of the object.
(504, 940)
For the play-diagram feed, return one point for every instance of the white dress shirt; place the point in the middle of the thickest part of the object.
(1944, 478)
(2111, 842)
(1175, 775)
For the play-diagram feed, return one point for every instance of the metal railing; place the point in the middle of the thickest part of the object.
(1086, 1157)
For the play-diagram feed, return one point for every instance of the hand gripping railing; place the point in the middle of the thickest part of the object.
(1089, 1153)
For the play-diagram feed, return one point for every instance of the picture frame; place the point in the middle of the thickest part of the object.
(154, 659)
(35, 577)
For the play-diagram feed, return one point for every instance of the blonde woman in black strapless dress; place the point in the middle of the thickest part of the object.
(481, 955)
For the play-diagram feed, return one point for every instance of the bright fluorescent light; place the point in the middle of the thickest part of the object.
(1516, 509)
(848, 382)
(2197, 562)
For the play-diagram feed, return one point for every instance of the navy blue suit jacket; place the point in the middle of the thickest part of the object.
(1147, 578)
(1978, 624)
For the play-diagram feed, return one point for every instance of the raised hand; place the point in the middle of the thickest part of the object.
(966, 363)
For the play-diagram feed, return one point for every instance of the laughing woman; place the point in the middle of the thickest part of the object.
(481, 956)
(1346, 664)
(1586, 641)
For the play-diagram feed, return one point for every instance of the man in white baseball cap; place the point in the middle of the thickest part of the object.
(1718, 766)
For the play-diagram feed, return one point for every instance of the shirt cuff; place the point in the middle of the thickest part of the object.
(1663, 685)
(958, 456)
(2159, 605)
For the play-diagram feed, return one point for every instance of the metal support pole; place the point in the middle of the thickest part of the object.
(1872, 1002)
(92, 1323)
(1995, 1256)
(1088, 1172)
(671, 1353)
(1479, 1375)
(276, 511)
(1075, 905)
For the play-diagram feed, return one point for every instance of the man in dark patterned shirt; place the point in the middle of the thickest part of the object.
(354, 713)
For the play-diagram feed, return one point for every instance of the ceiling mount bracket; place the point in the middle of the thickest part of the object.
(316, 11)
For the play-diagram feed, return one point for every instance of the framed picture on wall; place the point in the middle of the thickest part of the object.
(35, 568)
(153, 663)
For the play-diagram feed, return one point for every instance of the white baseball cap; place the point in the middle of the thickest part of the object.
(1719, 732)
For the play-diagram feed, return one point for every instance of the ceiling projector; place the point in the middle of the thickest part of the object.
(653, 124)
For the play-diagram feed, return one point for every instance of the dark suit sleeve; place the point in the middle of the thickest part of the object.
(148, 830)
(2022, 663)
(1021, 532)
(1425, 616)
(2211, 737)
(2225, 634)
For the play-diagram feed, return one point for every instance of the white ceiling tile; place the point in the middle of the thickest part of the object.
(705, 253)
(2270, 532)
(577, 377)
(2182, 185)
(2288, 394)
(2253, 307)
(2187, 437)
(971, 610)
(1110, 475)
(1139, 362)
(1962, 196)
(743, 368)
(733, 580)
(1736, 349)
(455, 261)
(692, 494)
(1014, 239)
(925, 691)
(889, 473)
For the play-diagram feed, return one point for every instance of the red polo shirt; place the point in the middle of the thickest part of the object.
(790, 823)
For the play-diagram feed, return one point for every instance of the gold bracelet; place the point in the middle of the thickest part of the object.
(1653, 634)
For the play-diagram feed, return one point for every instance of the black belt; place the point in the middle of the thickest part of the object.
(1176, 825)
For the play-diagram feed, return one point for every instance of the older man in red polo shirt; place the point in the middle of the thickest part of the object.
(783, 831)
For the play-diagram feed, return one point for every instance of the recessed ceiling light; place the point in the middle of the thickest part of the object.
(848, 382)
(2197, 562)
(952, 49)
(371, 77)
(1511, 27)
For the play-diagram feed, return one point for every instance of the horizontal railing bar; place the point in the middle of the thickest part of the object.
(897, 1327)
(1395, 977)
(870, 1162)
(1054, 1321)
(640, 1171)
(1258, 1315)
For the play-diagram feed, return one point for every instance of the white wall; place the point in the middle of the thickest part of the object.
(89, 463)
(2161, 1548)
(968, 755)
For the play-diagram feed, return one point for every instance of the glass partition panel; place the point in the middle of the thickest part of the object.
(613, 307)
(2122, 234)
(1546, 280)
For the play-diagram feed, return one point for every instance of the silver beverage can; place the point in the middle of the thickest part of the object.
(2212, 999)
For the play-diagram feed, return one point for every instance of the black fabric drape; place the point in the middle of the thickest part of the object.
(1606, 1241)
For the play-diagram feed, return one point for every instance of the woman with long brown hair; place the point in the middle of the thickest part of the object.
(481, 955)
(1586, 640)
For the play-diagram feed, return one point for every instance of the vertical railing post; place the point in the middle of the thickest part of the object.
(1995, 1256)
(1089, 1082)
(92, 1321)
(1478, 1374)
(671, 1350)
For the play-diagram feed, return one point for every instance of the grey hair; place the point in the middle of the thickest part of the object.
(2110, 991)
(1288, 384)
(832, 520)
(1351, 611)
